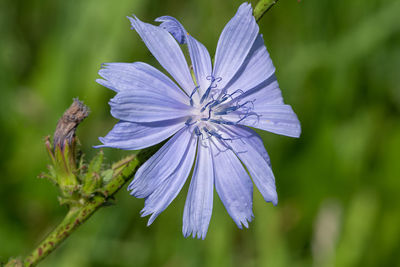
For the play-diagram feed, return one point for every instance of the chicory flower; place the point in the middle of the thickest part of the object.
(205, 115)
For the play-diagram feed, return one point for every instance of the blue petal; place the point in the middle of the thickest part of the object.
(234, 44)
(265, 93)
(133, 136)
(256, 68)
(147, 106)
(139, 76)
(167, 51)
(174, 27)
(199, 55)
(162, 165)
(173, 178)
(269, 113)
(278, 119)
(233, 184)
(107, 84)
(199, 202)
(249, 147)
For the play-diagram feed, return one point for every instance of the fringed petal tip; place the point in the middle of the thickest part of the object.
(267, 188)
(107, 84)
(132, 20)
(144, 212)
(132, 189)
(133, 192)
(245, 222)
(298, 133)
(107, 145)
(195, 234)
(110, 145)
(273, 199)
(101, 139)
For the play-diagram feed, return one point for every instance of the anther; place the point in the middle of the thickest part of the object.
(188, 122)
(223, 122)
(212, 86)
(205, 95)
(197, 131)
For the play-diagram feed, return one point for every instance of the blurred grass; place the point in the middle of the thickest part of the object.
(338, 65)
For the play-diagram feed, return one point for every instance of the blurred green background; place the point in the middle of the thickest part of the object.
(338, 64)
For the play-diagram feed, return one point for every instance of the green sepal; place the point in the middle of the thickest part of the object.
(92, 179)
(63, 169)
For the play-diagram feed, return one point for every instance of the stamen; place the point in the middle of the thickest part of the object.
(224, 96)
(236, 107)
(205, 95)
(215, 134)
(209, 116)
(212, 102)
(223, 143)
(248, 114)
(221, 121)
(191, 95)
(227, 110)
(247, 109)
(212, 86)
(237, 91)
(219, 103)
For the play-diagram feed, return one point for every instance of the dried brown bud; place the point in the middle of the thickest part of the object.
(66, 127)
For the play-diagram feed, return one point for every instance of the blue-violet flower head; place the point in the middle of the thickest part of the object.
(205, 117)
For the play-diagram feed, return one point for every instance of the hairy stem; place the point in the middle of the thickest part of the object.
(262, 7)
(81, 211)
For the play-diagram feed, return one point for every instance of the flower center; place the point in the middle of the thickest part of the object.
(218, 107)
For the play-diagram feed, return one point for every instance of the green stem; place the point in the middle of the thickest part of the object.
(262, 7)
(74, 217)
(80, 212)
